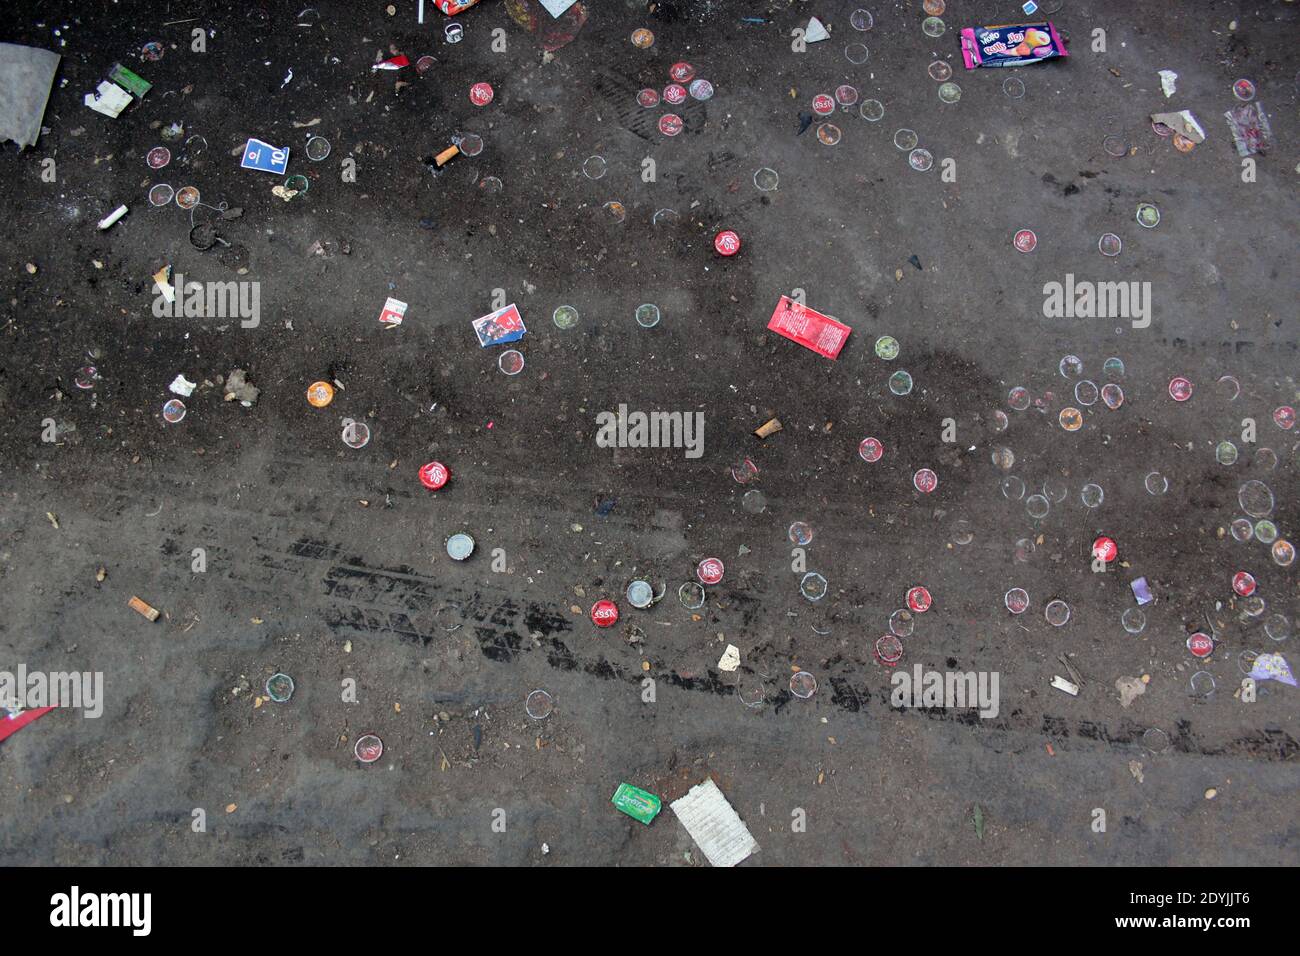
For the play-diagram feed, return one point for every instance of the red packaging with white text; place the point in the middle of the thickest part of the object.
(453, 7)
(809, 328)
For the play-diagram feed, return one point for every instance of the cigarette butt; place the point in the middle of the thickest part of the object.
(112, 217)
(446, 156)
(768, 428)
(143, 609)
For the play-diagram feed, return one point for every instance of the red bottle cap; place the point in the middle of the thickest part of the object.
(682, 72)
(823, 104)
(604, 613)
(670, 124)
(709, 571)
(481, 94)
(1243, 582)
(434, 475)
(918, 599)
(1105, 548)
(1201, 645)
(727, 243)
(871, 449)
(674, 93)
(1180, 389)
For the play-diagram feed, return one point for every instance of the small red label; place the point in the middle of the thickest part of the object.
(434, 475)
(481, 94)
(727, 243)
(1201, 645)
(604, 613)
(918, 599)
(709, 571)
(808, 327)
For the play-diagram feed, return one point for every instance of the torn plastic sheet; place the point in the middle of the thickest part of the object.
(1272, 667)
(1250, 130)
(26, 77)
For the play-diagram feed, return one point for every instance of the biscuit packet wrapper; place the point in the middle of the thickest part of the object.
(1015, 44)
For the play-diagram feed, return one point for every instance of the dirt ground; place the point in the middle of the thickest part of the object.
(328, 563)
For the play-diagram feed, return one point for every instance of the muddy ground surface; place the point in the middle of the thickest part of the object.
(328, 563)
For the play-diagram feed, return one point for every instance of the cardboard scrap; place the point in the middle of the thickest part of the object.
(715, 827)
(393, 313)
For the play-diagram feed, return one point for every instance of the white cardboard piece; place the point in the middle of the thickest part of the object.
(714, 826)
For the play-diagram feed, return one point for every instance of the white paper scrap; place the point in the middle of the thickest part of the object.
(714, 826)
(109, 99)
(1060, 683)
